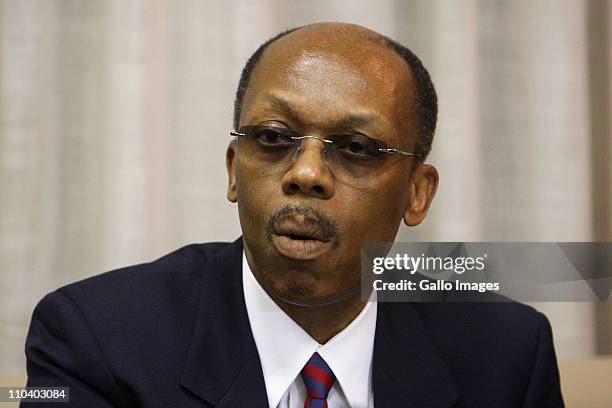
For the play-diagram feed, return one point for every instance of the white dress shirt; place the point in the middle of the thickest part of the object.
(284, 348)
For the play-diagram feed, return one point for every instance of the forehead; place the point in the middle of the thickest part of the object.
(325, 74)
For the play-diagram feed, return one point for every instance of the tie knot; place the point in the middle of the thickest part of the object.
(318, 378)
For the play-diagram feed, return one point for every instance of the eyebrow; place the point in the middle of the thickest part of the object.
(348, 120)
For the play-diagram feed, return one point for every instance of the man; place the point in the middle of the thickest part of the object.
(332, 125)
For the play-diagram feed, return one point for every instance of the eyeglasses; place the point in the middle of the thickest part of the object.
(347, 154)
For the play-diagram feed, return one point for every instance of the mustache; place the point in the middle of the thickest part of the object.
(326, 225)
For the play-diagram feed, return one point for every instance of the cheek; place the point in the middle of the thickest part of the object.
(254, 190)
(255, 183)
(375, 215)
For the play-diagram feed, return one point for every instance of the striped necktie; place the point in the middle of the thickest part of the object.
(318, 379)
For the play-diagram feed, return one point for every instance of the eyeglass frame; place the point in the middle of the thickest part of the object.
(387, 150)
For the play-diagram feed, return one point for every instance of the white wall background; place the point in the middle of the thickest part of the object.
(114, 119)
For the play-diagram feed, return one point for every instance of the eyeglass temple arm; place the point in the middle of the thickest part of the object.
(398, 152)
(234, 133)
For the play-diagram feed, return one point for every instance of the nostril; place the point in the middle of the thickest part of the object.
(318, 189)
(294, 187)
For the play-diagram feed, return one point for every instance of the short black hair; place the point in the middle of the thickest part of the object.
(427, 99)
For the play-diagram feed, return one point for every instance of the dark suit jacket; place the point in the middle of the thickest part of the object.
(175, 333)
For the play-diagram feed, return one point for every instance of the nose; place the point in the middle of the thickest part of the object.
(309, 174)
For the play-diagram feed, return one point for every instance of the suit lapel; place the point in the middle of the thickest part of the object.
(223, 366)
(407, 370)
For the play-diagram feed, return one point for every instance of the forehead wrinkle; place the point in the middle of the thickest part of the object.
(287, 107)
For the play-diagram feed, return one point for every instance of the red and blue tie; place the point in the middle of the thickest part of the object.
(318, 379)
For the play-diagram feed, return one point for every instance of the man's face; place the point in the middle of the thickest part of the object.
(305, 221)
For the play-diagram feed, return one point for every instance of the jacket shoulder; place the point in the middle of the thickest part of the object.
(142, 310)
(145, 298)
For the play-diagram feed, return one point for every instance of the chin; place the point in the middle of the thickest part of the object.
(302, 289)
(298, 288)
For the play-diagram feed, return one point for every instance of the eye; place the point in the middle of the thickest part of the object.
(357, 146)
(273, 136)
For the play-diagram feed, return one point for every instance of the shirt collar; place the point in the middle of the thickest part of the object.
(284, 347)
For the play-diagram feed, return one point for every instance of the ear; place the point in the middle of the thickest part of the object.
(423, 186)
(230, 156)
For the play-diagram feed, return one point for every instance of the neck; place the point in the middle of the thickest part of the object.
(323, 322)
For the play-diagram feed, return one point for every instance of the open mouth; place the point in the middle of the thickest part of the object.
(300, 237)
